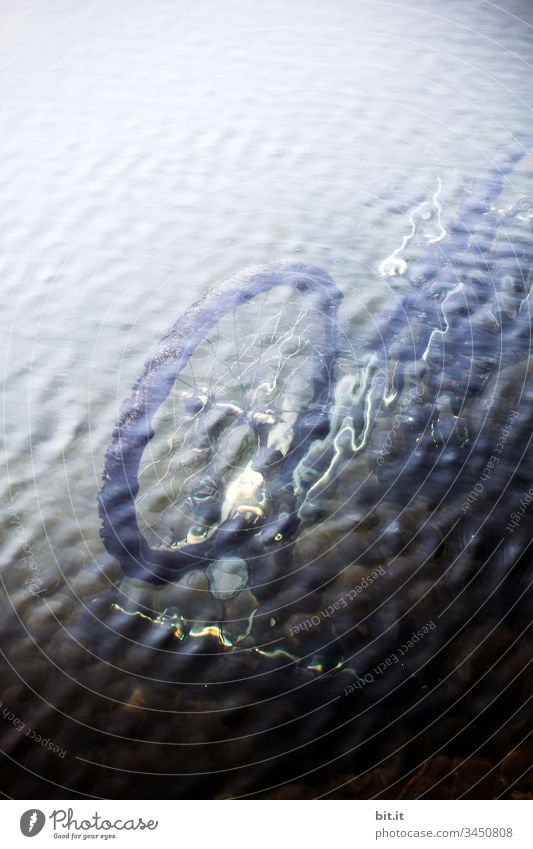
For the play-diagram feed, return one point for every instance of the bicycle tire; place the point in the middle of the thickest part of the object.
(120, 530)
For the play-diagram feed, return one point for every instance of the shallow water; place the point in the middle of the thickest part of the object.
(147, 153)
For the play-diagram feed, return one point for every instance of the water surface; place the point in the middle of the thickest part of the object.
(150, 150)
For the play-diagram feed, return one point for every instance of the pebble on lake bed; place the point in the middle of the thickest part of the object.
(227, 576)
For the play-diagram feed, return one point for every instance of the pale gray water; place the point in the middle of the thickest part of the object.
(150, 149)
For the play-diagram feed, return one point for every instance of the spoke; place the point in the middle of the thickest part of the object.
(266, 343)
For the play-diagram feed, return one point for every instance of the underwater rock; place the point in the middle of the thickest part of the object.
(227, 576)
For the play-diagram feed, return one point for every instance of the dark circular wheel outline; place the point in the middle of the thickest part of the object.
(120, 531)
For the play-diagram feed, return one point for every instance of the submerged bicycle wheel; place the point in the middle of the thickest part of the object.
(203, 457)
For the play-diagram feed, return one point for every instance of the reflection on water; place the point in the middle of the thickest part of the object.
(356, 620)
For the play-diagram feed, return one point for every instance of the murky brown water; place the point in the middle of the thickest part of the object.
(378, 644)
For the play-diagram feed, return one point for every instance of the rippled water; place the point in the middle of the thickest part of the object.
(379, 647)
